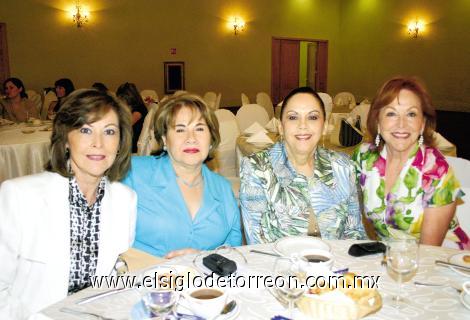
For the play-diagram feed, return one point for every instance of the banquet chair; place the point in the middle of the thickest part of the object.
(245, 99)
(217, 101)
(251, 113)
(264, 100)
(35, 98)
(147, 142)
(210, 98)
(48, 98)
(149, 93)
(225, 157)
(461, 169)
(328, 102)
(345, 99)
(361, 111)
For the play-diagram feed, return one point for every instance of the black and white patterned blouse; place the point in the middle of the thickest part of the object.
(84, 235)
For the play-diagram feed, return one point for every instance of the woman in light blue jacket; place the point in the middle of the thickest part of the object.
(182, 205)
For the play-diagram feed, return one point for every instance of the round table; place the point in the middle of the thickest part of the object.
(23, 153)
(258, 303)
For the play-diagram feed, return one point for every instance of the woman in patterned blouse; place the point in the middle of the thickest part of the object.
(409, 188)
(297, 185)
(62, 227)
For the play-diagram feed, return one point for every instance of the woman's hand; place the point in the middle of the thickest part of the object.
(180, 252)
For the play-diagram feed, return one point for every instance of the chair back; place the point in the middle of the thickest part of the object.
(149, 93)
(48, 98)
(36, 99)
(225, 162)
(361, 111)
(210, 98)
(217, 101)
(264, 100)
(245, 99)
(251, 113)
(147, 142)
(345, 99)
(461, 169)
(328, 102)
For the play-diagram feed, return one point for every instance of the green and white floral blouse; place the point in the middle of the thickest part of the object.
(426, 181)
(275, 199)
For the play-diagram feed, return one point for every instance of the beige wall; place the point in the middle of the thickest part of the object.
(375, 46)
(129, 40)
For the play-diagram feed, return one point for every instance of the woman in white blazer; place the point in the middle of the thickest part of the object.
(61, 227)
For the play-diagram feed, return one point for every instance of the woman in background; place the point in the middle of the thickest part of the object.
(16, 106)
(63, 87)
(61, 227)
(182, 205)
(297, 187)
(409, 188)
(130, 95)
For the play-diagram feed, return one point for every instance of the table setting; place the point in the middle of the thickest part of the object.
(427, 289)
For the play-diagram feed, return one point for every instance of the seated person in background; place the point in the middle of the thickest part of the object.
(409, 188)
(100, 87)
(130, 95)
(16, 106)
(182, 205)
(63, 87)
(295, 180)
(61, 227)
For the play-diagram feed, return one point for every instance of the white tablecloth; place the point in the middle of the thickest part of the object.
(425, 302)
(23, 153)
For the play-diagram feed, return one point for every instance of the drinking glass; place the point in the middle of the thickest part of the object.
(402, 263)
(158, 291)
(290, 278)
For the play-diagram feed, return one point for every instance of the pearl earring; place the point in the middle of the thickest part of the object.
(420, 140)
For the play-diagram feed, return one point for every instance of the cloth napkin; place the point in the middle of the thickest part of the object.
(254, 128)
(137, 259)
(259, 137)
(273, 125)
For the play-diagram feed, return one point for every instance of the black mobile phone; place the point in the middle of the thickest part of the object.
(219, 264)
(366, 248)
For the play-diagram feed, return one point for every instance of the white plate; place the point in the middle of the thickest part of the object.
(140, 312)
(296, 244)
(458, 259)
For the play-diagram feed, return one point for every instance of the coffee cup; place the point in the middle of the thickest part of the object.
(318, 258)
(205, 301)
(465, 295)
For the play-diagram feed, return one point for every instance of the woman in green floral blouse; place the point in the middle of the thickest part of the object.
(409, 188)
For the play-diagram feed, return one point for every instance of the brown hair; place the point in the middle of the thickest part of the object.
(389, 91)
(164, 119)
(87, 106)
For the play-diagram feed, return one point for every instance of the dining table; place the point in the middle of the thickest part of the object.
(441, 300)
(24, 148)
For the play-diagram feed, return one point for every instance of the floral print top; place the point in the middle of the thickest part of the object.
(276, 201)
(426, 181)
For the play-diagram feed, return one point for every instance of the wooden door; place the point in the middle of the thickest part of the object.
(285, 68)
(322, 67)
(4, 62)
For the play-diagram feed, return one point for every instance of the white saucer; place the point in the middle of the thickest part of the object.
(296, 244)
(458, 259)
(140, 312)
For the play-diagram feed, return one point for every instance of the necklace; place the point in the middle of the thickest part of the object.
(191, 185)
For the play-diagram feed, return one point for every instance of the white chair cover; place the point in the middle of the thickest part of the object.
(35, 98)
(462, 172)
(362, 111)
(264, 100)
(251, 113)
(217, 101)
(210, 98)
(245, 99)
(225, 162)
(149, 93)
(48, 98)
(147, 143)
(345, 99)
(328, 102)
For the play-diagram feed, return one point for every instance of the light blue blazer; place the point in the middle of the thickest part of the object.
(164, 223)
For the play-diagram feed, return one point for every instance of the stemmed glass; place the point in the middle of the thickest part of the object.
(290, 278)
(402, 263)
(158, 291)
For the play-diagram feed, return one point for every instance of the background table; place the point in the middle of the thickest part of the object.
(425, 302)
(20, 153)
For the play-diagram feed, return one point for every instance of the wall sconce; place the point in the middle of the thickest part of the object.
(80, 16)
(414, 28)
(238, 25)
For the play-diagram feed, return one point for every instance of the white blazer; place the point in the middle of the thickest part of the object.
(35, 239)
